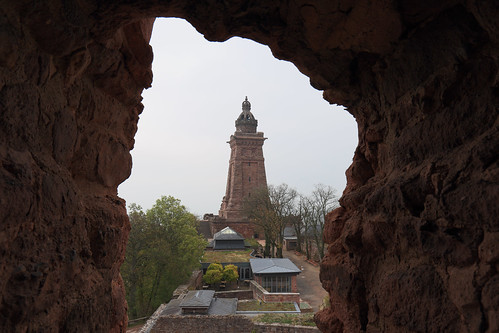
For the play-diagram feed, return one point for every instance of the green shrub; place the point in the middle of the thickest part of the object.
(213, 276)
(215, 266)
(230, 273)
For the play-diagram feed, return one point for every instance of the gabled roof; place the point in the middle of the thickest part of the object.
(227, 234)
(273, 266)
(197, 299)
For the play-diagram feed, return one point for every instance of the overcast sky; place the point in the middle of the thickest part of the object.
(181, 145)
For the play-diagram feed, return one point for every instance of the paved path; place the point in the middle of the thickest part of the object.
(308, 282)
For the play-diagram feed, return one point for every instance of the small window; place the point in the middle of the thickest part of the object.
(249, 179)
(249, 163)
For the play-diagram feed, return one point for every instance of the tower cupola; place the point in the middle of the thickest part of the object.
(246, 122)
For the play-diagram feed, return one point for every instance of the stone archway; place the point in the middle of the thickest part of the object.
(414, 245)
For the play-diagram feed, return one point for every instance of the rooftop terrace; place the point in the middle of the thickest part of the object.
(227, 256)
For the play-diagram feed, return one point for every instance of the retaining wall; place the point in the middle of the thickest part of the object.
(260, 293)
(226, 324)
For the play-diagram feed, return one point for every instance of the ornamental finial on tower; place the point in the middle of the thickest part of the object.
(246, 105)
(246, 122)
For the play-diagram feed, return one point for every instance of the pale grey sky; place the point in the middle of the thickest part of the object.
(181, 145)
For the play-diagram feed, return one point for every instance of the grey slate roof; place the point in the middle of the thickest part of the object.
(223, 306)
(227, 234)
(218, 306)
(212, 243)
(197, 299)
(273, 266)
(172, 308)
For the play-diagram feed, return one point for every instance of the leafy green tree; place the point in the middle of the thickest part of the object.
(230, 273)
(136, 265)
(215, 266)
(213, 276)
(163, 249)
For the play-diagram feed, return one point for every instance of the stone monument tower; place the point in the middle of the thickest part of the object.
(246, 173)
(246, 164)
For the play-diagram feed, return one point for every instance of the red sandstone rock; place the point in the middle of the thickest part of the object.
(413, 247)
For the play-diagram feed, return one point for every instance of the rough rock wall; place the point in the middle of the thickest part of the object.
(69, 105)
(414, 246)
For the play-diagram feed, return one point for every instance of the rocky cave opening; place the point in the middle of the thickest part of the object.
(414, 245)
(176, 151)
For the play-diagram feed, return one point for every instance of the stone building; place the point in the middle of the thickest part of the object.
(227, 239)
(246, 174)
(275, 280)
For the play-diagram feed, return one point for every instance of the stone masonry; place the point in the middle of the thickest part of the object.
(246, 174)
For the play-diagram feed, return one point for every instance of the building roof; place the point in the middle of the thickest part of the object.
(227, 234)
(223, 306)
(197, 299)
(217, 306)
(224, 244)
(172, 308)
(273, 266)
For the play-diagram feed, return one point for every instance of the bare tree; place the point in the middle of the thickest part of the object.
(296, 223)
(305, 208)
(272, 207)
(322, 201)
(269, 209)
(259, 210)
(283, 199)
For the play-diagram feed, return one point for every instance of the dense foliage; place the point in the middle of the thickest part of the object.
(230, 273)
(213, 277)
(215, 267)
(214, 274)
(163, 249)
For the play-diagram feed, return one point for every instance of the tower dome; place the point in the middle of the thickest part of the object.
(246, 122)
